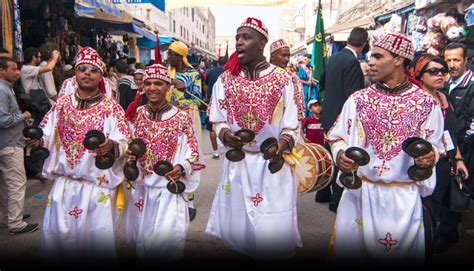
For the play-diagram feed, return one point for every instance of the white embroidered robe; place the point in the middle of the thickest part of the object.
(254, 211)
(80, 216)
(157, 220)
(383, 221)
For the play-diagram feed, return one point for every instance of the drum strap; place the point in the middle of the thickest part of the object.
(387, 184)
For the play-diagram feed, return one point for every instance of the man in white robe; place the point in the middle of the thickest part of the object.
(254, 211)
(158, 220)
(69, 85)
(383, 219)
(80, 218)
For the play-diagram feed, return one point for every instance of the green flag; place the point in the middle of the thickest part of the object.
(318, 58)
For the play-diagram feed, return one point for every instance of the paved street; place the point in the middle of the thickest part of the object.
(314, 219)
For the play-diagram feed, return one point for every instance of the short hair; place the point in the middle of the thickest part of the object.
(222, 60)
(121, 66)
(46, 51)
(30, 53)
(358, 37)
(3, 51)
(4, 62)
(456, 45)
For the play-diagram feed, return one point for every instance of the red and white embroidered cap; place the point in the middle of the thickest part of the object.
(157, 71)
(278, 45)
(255, 24)
(396, 43)
(88, 55)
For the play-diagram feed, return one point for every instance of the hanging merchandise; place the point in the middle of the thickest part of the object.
(394, 25)
(18, 43)
(457, 33)
(470, 15)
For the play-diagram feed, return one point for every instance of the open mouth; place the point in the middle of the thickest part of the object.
(240, 53)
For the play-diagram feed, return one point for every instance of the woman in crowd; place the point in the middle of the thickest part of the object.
(431, 72)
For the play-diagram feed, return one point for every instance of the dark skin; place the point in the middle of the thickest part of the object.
(249, 45)
(155, 91)
(88, 86)
(281, 57)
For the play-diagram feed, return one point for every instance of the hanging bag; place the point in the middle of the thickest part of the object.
(459, 194)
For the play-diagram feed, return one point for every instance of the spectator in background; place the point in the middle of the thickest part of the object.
(311, 127)
(210, 80)
(127, 88)
(342, 77)
(47, 78)
(305, 74)
(12, 174)
(138, 77)
(29, 75)
(460, 92)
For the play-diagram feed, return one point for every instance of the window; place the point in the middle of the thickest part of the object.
(181, 30)
(174, 26)
(192, 14)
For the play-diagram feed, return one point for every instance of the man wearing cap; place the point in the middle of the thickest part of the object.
(186, 91)
(80, 218)
(254, 211)
(280, 56)
(383, 220)
(157, 220)
(70, 85)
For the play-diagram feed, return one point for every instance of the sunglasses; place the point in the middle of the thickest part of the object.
(171, 53)
(436, 71)
(92, 69)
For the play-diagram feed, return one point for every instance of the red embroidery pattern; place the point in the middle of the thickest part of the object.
(388, 242)
(102, 180)
(257, 199)
(73, 124)
(251, 103)
(428, 133)
(381, 169)
(76, 212)
(139, 205)
(161, 137)
(298, 96)
(388, 120)
(349, 126)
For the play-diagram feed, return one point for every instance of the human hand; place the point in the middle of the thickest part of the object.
(232, 140)
(55, 55)
(130, 157)
(105, 147)
(175, 174)
(346, 164)
(27, 115)
(426, 161)
(33, 142)
(461, 167)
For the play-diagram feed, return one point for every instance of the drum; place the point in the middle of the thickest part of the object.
(314, 170)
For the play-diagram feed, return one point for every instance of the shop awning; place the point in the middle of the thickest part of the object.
(402, 10)
(97, 9)
(150, 43)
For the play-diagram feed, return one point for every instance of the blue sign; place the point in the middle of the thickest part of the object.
(160, 4)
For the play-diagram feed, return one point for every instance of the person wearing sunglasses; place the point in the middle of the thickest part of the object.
(80, 219)
(69, 85)
(431, 72)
